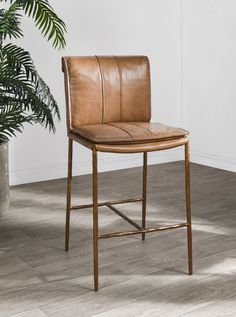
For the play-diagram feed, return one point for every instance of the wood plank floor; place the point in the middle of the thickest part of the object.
(137, 278)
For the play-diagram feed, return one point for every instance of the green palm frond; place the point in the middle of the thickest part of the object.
(30, 100)
(19, 81)
(10, 21)
(47, 21)
(11, 121)
(15, 58)
(24, 96)
(50, 25)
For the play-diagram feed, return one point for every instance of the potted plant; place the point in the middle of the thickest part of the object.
(24, 96)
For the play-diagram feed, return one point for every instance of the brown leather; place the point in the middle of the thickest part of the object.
(107, 89)
(78, 138)
(142, 147)
(109, 105)
(130, 147)
(128, 132)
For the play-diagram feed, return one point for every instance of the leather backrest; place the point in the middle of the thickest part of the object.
(102, 89)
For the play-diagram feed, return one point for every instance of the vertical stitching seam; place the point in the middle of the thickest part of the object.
(120, 79)
(102, 85)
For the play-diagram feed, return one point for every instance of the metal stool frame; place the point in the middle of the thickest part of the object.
(110, 204)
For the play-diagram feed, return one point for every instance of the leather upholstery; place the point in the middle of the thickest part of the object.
(141, 147)
(128, 132)
(109, 104)
(107, 89)
(130, 147)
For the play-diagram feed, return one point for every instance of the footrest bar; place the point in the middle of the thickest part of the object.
(127, 233)
(105, 203)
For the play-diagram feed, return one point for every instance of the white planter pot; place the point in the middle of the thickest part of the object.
(4, 179)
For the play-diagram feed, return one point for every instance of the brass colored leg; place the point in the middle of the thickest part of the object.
(188, 207)
(144, 202)
(95, 219)
(68, 198)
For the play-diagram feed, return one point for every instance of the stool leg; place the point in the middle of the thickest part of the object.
(95, 219)
(68, 198)
(188, 207)
(144, 202)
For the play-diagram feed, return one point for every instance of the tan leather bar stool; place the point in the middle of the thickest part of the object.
(108, 102)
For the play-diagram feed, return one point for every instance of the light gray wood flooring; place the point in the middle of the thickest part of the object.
(137, 278)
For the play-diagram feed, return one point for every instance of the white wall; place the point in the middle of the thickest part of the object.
(209, 80)
(102, 27)
(192, 49)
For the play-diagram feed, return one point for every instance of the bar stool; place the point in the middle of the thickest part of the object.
(108, 102)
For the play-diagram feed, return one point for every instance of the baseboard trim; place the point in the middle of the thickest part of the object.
(216, 161)
(106, 163)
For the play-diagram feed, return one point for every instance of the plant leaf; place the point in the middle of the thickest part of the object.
(23, 88)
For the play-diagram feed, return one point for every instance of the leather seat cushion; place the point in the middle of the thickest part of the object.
(128, 132)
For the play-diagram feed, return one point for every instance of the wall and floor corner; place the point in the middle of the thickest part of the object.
(191, 48)
(209, 85)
